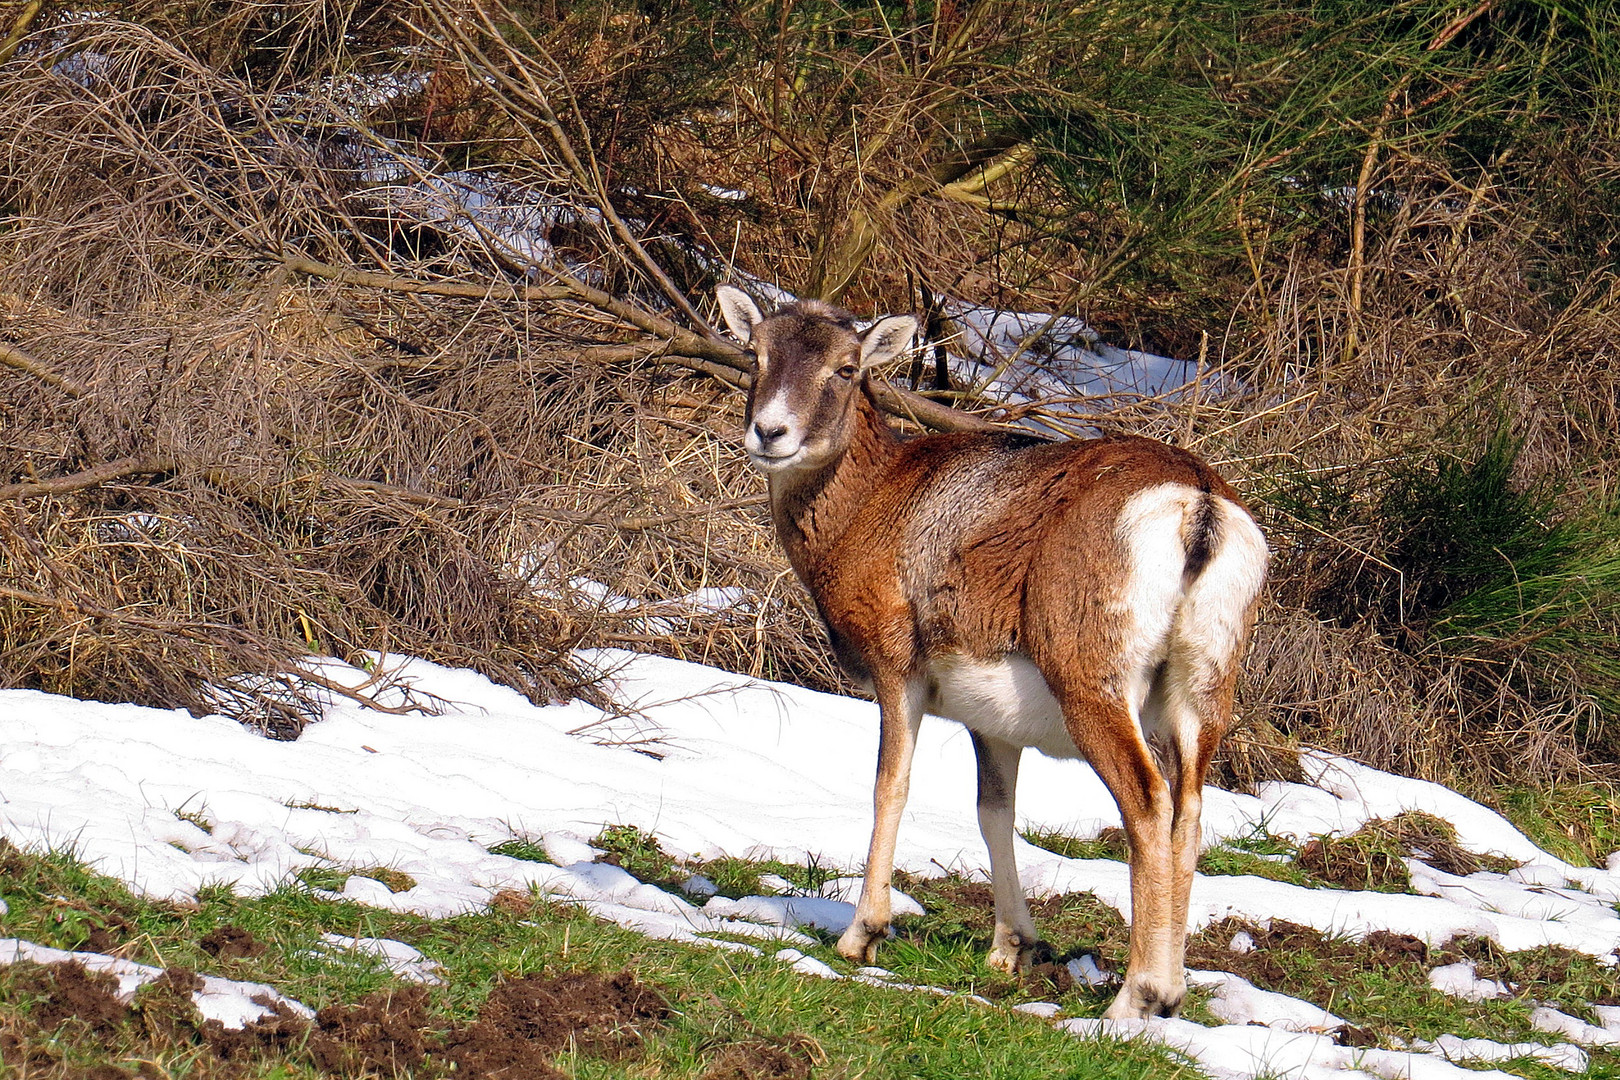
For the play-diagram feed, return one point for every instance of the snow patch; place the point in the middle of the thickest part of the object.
(1455, 1048)
(396, 956)
(1576, 1031)
(1238, 1001)
(1459, 981)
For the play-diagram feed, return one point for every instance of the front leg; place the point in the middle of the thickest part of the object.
(901, 714)
(1014, 944)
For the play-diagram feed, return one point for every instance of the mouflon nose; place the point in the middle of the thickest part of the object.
(768, 435)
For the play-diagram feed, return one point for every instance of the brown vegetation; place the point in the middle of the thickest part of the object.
(257, 403)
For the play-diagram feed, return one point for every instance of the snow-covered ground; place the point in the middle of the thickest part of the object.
(170, 803)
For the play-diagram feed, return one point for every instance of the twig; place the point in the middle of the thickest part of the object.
(19, 29)
(1358, 221)
(98, 474)
(13, 357)
(354, 695)
(1457, 26)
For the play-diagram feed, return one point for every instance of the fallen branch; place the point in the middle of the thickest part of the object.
(955, 181)
(356, 696)
(19, 29)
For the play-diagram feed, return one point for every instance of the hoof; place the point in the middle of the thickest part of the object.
(1143, 999)
(859, 943)
(1015, 954)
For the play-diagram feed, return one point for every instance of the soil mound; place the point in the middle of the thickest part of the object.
(384, 1032)
(788, 1058)
(526, 1021)
(69, 991)
(230, 942)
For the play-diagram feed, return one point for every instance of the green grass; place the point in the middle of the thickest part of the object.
(1579, 823)
(718, 998)
(1109, 844)
(334, 878)
(638, 853)
(527, 850)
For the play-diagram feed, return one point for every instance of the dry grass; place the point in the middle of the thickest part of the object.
(213, 462)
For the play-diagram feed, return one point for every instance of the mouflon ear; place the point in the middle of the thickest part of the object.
(887, 339)
(740, 312)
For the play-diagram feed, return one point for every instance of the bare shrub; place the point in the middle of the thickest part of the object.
(258, 405)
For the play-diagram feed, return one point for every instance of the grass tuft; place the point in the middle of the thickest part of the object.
(527, 850)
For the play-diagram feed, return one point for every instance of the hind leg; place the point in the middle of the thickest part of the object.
(1107, 734)
(1014, 943)
(1197, 713)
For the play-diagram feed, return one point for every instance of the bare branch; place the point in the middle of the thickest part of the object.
(684, 347)
(588, 178)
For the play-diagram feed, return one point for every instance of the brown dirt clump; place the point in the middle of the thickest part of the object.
(520, 1029)
(789, 1058)
(77, 1008)
(278, 1035)
(16, 867)
(1393, 949)
(1298, 960)
(230, 942)
(384, 1032)
(70, 992)
(103, 939)
(1211, 951)
(1048, 978)
(1351, 1035)
(526, 1021)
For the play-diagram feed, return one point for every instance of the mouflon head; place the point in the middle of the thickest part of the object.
(809, 364)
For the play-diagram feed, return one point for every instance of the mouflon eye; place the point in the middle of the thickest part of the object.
(847, 371)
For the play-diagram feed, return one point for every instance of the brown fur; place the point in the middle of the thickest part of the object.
(984, 547)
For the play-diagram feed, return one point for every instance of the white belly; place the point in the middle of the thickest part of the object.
(1006, 699)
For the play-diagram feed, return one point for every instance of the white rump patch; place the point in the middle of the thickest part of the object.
(1151, 529)
(1212, 619)
(1199, 627)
